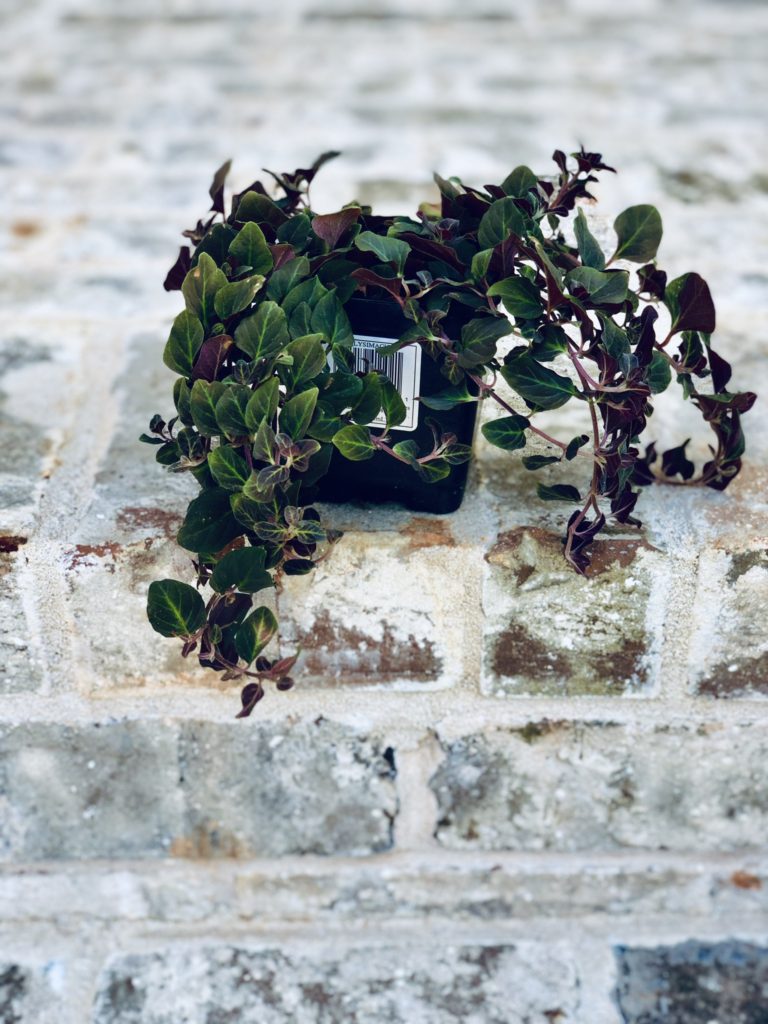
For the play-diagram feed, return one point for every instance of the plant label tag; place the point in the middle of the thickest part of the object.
(403, 369)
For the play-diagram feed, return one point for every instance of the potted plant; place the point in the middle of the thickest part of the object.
(344, 355)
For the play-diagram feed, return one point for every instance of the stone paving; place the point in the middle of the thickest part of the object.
(451, 818)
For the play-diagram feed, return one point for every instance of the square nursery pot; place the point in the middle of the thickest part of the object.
(383, 479)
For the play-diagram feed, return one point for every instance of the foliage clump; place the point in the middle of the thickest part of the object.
(266, 386)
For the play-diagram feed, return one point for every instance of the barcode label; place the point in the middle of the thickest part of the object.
(403, 369)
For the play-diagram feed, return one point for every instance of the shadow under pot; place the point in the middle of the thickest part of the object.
(381, 478)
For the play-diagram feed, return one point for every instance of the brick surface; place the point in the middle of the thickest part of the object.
(729, 651)
(387, 609)
(132, 789)
(694, 981)
(566, 786)
(548, 631)
(432, 985)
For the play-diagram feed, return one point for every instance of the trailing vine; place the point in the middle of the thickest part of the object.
(266, 387)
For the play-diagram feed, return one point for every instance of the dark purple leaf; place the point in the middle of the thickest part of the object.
(216, 191)
(175, 276)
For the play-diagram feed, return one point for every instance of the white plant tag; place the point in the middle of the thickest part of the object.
(403, 369)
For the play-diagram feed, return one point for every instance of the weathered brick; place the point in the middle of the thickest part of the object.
(549, 631)
(729, 647)
(387, 609)
(695, 981)
(20, 665)
(102, 790)
(30, 371)
(432, 984)
(29, 992)
(270, 790)
(131, 789)
(603, 786)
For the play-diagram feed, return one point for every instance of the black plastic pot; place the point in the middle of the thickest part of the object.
(382, 478)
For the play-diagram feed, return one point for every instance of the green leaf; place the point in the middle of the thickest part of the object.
(574, 444)
(324, 423)
(480, 263)
(249, 249)
(558, 492)
(690, 304)
(174, 609)
(287, 277)
(183, 343)
(507, 432)
(407, 450)
(354, 443)
(295, 231)
(368, 405)
(639, 233)
(265, 333)
(449, 398)
(541, 387)
(604, 287)
(658, 375)
(389, 250)
(437, 469)
(534, 462)
(257, 207)
(233, 298)
(343, 390)
(230, 410)
(520, 181)
(329, 319)
(456, 454)
(254, 633)
(264, 443)
(614, 339)
(215, 243)
(296, 414)
(202, 404)
(310, 291)
(200, 287)
(309, 531)
(209, 524)
(182, 394)
(229, 468)
(308, 356)
(502, 219)
(300, 323)
(589, 249)
(392, 404)
(244, 569)
(479, 338)
(247, 511)
(520, 296)
(263, 403)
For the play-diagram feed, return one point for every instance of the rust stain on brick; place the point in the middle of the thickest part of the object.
(424, 532)
(746, 880)
(624, 664)
(610, 554)
(208, 841)
(10, 543)
(517, 653)
(153, 518)
(25, 228)
(352, 654)
(750, 677)
(81, 553)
